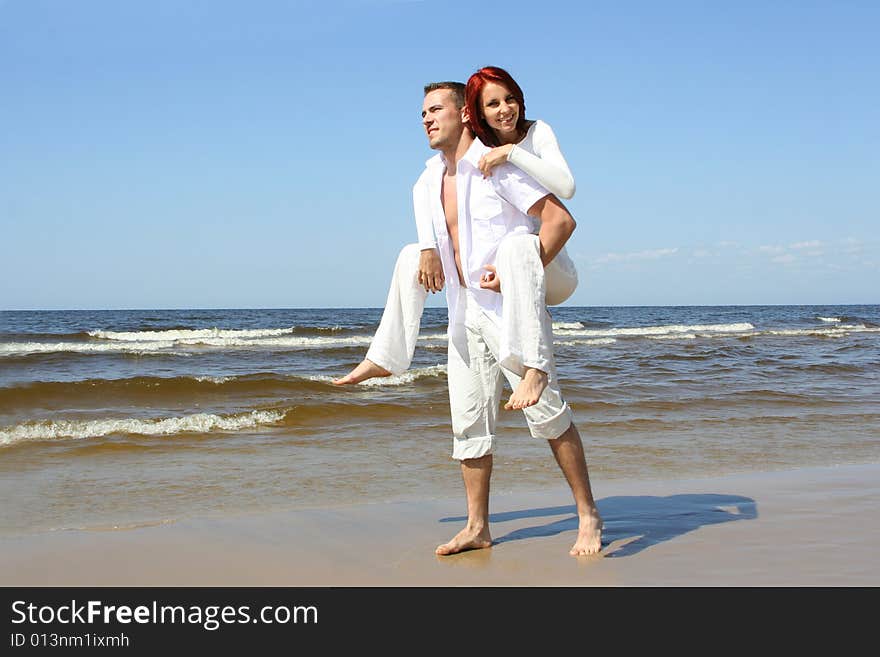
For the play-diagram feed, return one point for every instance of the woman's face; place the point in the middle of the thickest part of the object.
(501, 110)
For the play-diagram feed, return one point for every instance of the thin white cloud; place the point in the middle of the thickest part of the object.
(852, 246)
(844, 253)
(649, 254)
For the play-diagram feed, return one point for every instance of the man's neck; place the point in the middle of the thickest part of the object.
(454, 153)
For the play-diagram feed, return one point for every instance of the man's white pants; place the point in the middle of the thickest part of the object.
(476, 384)
(527, 288)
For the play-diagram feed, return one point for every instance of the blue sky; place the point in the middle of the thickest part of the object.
(256, 154)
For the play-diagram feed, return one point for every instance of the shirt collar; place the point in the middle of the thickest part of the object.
(436, 161)
(474, 152)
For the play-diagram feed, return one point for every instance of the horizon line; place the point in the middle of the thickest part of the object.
(677, 305)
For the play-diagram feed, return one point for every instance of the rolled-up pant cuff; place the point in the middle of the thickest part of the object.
(552, 428)
(472, 448)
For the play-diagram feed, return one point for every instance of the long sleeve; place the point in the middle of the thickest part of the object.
(422, 214)
(546, 165)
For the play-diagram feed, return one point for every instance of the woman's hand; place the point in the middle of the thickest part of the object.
(490, 280)
(493, 158)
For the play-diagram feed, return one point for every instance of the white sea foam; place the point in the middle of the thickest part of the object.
(829, 319)
(692, 332)
(170, 346)
(188, 334)
(839, 331)
(665, 330)
(407, 377)
(591, 342)
(396, 380)
(213, 379)
(292, 341)
(191, 342)
(78, 430)
(24, 348)
(432, 336)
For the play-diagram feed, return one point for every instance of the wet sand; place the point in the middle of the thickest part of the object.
(808, 527)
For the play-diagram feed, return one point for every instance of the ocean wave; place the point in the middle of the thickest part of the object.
(836, 331)
(829, 319)
(171, 333)
(589, 342)
(432, 337)
(144, 342)
(276, 342)
(691, 332)
(668, 329)
(218, 380)
(86, 393)
(183, 333)
(188, 334)
(79, 430)
(189, 343)
(171, 346)
(394, 380)
(27, 348)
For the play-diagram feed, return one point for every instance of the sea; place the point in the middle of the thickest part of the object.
(113, 419)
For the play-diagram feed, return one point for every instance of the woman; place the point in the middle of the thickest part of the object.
(496, 108)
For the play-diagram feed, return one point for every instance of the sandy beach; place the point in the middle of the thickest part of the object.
(805, 527)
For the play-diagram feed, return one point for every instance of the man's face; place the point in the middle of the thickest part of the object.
(441, 119)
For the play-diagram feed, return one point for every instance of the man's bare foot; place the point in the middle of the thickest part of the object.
(367, 369)
(466, 539)
(589, 540)
(529, 390)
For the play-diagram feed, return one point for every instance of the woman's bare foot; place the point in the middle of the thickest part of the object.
(589, 539)
(466, 539)
(529, 390)
(367, 369)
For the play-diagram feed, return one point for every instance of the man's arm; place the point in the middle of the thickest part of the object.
(430, 267)
(557, 225)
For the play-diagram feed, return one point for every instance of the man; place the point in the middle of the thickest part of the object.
(482, 224)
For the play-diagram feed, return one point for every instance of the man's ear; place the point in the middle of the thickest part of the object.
(465, 117)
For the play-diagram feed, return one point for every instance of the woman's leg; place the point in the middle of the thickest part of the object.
(393, 345)
(526, 341)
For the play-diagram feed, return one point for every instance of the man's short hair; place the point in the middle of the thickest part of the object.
(457, 89)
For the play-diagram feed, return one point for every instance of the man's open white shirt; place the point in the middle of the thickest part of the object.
(488, 210)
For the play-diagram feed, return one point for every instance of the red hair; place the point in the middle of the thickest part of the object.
(474, 90)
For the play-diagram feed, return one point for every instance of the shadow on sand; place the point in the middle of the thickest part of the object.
(633, 522)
